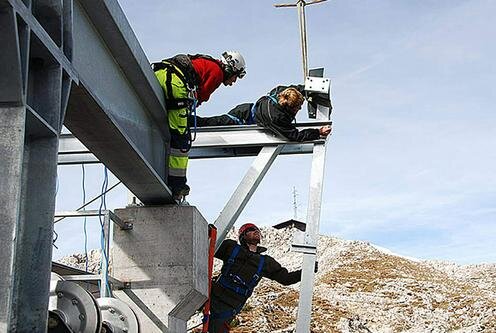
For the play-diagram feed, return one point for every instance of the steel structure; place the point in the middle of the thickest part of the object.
(211, 142)
(78, 63)
(301, 4)
(103, 277)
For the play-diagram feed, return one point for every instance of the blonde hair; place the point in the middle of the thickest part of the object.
(291, 98)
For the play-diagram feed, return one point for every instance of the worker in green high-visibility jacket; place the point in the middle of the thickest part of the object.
(188, 81)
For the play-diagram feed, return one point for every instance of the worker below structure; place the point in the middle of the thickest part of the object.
(275, 111)
(243, 267)
(188, 81)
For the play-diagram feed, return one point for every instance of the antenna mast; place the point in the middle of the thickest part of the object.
(300, 4)
(295, 204)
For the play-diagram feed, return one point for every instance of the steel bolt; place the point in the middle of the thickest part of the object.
(81, 316)
(75, 301)
(111, 310)
(60, 294)
(52, 323)
(121, 317)
(124, 329)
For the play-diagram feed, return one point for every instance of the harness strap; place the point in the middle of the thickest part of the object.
(239, 286)
(257, 275)
(273, 99)
(236, 119)
(251, 120)
(226, 314)
(170, 102)
(233, 256)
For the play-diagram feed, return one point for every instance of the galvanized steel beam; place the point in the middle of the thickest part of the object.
(211, 142)
(244, 191)
(310, 238)
(117, 110)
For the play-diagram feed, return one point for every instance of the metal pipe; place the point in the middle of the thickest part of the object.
(303, 36)
(92, 200)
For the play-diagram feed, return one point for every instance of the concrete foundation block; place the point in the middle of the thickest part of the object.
(165, 258)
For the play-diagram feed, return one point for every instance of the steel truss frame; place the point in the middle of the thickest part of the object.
(236, 141)
(103, 277)
(78, 63)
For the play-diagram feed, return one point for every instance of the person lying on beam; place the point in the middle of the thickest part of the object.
(275, 111)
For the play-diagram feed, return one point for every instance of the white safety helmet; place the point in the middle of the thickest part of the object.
(234, 63)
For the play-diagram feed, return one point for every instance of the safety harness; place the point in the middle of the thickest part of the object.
(182, 66)
(235, 283)
(189, 79)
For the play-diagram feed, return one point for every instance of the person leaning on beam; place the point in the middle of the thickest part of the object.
(188, 81)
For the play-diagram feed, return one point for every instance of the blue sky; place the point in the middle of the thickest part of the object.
(411, 162)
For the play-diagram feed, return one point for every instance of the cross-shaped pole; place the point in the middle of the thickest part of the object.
(303, 29)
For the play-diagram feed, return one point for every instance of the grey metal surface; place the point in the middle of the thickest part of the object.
(104, 285)
(303, 36)
(117, 109)
(35, 76)
(81, 213)
(211, 142)
(11, 143)
(90, 201)
(118, 96)
(78, 308)
(118, 315)
(311, 238)
(244, 191)
(12, 127)
(59, 216)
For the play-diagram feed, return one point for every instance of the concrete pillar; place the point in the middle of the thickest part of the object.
(165, 259)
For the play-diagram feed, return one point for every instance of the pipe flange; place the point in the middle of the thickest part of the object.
(118, 315)
(75, 306)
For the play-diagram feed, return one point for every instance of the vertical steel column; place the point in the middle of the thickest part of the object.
(33, 253)
(11, 152)
(12, 128)
(311, 238)
(244, 191)
(33, 93)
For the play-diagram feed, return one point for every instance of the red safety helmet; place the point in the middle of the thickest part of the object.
(245, 228)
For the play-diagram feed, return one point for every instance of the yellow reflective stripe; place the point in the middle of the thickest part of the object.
(178, 162)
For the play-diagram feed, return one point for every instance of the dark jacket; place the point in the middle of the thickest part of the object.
(245, 266)
(269, 114)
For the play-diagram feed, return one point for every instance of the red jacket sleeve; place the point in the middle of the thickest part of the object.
(211, 76)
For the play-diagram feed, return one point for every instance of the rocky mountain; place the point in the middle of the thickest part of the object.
(361, 288)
